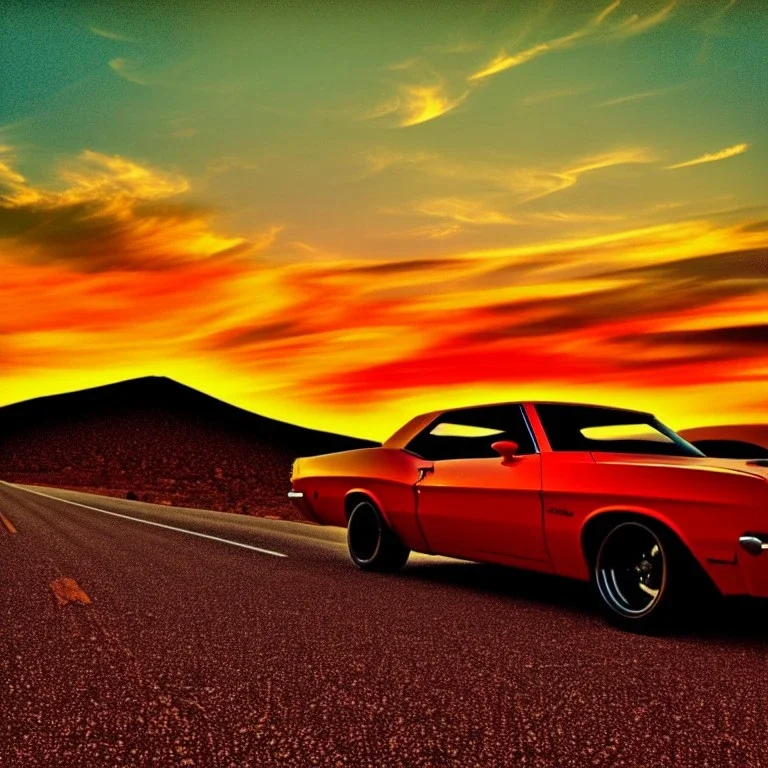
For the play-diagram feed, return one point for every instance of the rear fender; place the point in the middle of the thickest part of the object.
(370, 495)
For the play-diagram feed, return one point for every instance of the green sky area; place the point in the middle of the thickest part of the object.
(268, 110)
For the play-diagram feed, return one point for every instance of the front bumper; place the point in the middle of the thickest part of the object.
(751, 567)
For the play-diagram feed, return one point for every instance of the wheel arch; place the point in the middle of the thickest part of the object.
(601, 519)
(356, 495)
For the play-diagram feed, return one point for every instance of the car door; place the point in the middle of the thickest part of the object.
(471, 505)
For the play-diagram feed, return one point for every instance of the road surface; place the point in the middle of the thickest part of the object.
(258, 643)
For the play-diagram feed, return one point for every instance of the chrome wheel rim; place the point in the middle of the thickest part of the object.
(631, 570)
(364, 533)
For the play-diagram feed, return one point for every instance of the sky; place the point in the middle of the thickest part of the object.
(343, 214)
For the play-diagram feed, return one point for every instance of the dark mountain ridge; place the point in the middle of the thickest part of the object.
(730, 441)
(160, 441)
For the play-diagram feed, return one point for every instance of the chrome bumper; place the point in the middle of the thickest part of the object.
(753, 544)
(301, 502)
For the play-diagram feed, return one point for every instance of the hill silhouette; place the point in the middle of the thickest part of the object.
(730, 441)
(159, 441)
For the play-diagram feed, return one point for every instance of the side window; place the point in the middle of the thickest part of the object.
(470, 432)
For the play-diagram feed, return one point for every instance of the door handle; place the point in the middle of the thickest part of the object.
(424, 471)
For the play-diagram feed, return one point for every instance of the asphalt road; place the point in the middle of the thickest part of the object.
(123, 643)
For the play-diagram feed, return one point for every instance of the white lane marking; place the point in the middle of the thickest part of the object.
(150, 522)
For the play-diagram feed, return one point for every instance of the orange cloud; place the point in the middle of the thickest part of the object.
(107, 212)
(139, 280)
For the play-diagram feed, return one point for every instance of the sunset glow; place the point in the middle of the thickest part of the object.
(341, 215)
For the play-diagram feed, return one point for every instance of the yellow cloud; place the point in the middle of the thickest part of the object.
(637, 25)
(723, 154)
(9, 177)
(570, 217)
(593, 31)
(525, 183)
(462, 211)
(108, 212)
(416, 104)
(505, 61)
(422, 103)
(564, 179)
(609, 159)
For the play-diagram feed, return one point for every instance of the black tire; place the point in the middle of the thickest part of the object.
(372, 544)
(642, 576)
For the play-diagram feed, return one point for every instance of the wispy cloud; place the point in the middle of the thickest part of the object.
(712, 157)
(574, 217)
(527, 183)
(504, 61)
(593, 31)
(107, 35)
(563, 179)
(129, 70)
(641, 96)
(712, 28)
(399, 66)
(9, 176)
(416, 104)
(439, 231)
(638, 25)
(462, 211)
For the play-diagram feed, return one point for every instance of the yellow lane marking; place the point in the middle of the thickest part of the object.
(7, 523)
(69, 591)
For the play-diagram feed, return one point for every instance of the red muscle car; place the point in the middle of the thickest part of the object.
(599, 494)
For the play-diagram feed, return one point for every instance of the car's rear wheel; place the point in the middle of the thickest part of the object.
(373, 546)
(639, 575)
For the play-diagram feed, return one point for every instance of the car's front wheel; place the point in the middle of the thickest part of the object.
(373, 546)
(638, 573)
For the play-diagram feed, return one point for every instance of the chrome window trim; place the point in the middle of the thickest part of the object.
(529, 428)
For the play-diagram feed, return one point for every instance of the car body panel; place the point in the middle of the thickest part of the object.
(708, 506)
(386, 475)
(481, 509)
(533, 513)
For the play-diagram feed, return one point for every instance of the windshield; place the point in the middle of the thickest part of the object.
(610, 430)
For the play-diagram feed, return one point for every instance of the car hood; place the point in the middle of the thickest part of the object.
(756, 468)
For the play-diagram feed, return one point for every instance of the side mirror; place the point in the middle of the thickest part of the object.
(507, 449)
